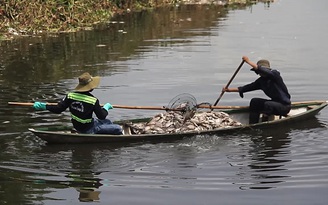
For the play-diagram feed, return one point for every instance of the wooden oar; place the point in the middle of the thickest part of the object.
(231, 79)
(139, 107)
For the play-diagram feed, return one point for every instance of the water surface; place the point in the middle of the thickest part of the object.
(148, 58)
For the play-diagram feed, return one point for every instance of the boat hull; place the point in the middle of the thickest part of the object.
(299, 112)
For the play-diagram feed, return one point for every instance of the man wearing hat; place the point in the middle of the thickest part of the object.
(82, 104)
(272, 84)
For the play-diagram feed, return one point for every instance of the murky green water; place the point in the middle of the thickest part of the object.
(147, 59)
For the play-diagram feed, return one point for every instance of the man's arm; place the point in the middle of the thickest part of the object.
(254, 65)
(230, 89)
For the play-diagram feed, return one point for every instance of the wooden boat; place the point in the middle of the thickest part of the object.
(300, 111)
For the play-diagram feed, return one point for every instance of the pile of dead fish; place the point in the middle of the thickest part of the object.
(175, 122)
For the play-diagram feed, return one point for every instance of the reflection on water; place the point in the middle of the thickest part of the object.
(269, 154)
(50, 59)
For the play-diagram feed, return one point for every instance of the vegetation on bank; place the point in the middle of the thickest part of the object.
(35, 16)
(30, 17)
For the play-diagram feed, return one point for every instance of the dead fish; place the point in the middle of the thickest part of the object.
(177, 122)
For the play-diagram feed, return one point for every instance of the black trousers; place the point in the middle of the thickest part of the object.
(267, 107)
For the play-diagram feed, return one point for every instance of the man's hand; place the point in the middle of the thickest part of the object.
(245, 58)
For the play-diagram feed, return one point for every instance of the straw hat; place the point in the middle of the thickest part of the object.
(87, 82)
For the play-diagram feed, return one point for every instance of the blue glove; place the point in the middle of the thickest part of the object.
(108, 106)
(39, 106)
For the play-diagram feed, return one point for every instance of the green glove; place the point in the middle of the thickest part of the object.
(39, 106)
(108, 106)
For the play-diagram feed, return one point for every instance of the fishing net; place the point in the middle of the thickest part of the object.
(185, 103)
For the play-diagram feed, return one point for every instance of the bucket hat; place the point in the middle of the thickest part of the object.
(87, 82)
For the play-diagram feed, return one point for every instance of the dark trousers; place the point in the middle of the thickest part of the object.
(267, 107)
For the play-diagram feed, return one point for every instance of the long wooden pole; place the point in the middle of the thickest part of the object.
(137, 107)
(231, 79)
(222, 107)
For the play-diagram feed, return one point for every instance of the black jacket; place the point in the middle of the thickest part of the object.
(272, 85)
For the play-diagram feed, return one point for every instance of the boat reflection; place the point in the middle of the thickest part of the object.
(269, 153)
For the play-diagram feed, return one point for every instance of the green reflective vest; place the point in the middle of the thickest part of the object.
(82, 98)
